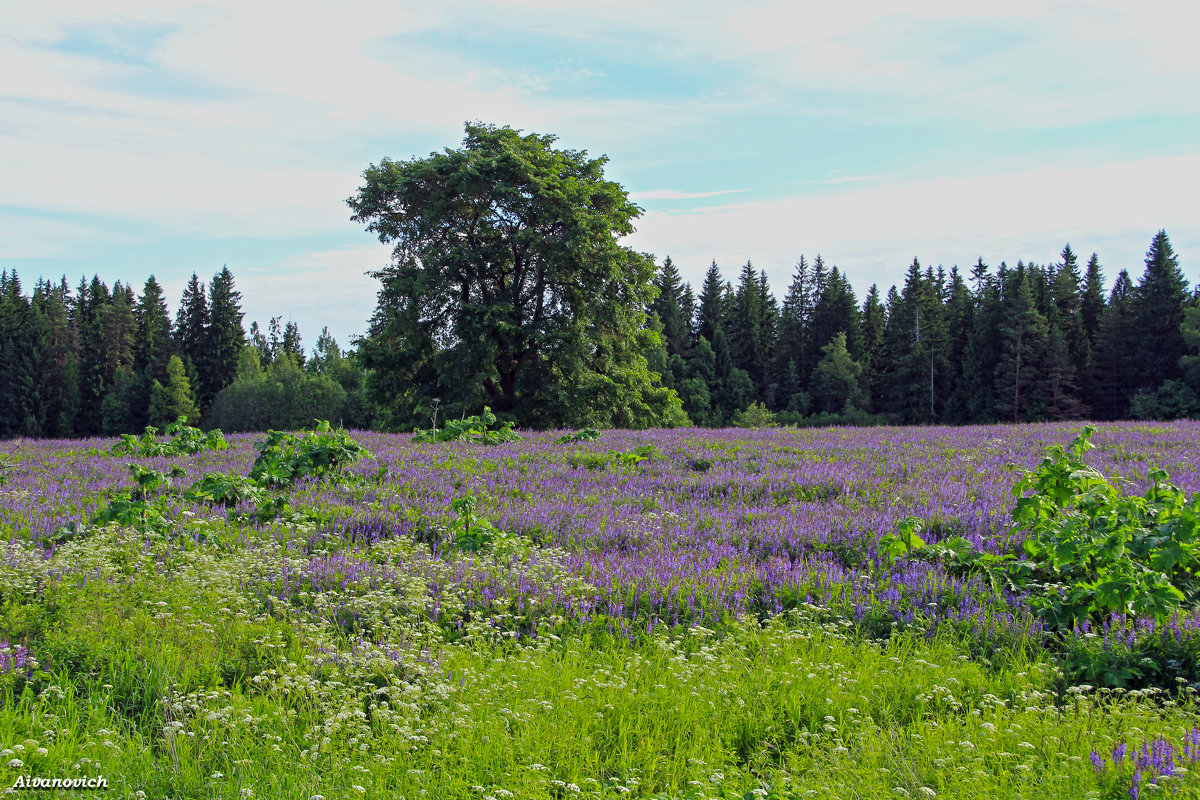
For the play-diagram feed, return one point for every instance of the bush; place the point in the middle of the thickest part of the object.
(755, 415)
(1172, 400)
(285, 398)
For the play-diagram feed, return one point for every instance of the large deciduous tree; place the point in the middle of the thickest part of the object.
(509, 287)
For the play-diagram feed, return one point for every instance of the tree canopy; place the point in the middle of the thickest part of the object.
(509, 287)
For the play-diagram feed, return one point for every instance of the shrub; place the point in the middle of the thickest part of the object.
(756, 415)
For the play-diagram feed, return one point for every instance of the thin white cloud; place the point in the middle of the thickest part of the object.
(853, 179)
(675, 194)
(24, 236)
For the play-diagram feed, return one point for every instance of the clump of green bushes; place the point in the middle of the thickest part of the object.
(479, 429)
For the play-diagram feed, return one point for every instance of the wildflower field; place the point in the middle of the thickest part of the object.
(668, 614)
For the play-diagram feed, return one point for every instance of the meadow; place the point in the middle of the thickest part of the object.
(669, 614)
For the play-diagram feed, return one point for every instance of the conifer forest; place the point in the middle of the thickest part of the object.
(1020, 343)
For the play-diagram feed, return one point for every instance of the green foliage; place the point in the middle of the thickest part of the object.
(836, 380)
(175, 399)
(904, 542)
(222, 489)
(182, 439)
(477, 429)
(217, 488)
(1172, 400)
(621, 459)
(755, 415)
(284, 458)
(510, 286)
(143, 507)
(282, 398)
(585, 435)
(1091, 551)
(1098, 551)
(472, 533)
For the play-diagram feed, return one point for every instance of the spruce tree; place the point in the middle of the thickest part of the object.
(687, 309)
(1020, 371)
(1091, 308)
(1114, 367)
(224, 335)
(1062, 391)
(733, 388)
(836, 385)
(191, 332)
(874, 320)
(959, 322)
(60, 377)
(749, 328)
(173, 400)
(835, 311)
(791, 339)
(90, 302)
(119, 332)
(125, 408)
(768, 330)
(1091, 301)
(916, 355)
(22, 340)
(291, 344)
(1158, 306)
(1066, 288)
(979, 278)
(711, 304)
(153, 344)
(676, 327)
(976, 395)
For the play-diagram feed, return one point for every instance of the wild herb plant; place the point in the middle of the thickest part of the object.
(472, 532)
(182, 439)
(223, 489)
(284, 458)
(621, 459)
(477, 429)
(143, 507)
(584, 435)
(1091, 550)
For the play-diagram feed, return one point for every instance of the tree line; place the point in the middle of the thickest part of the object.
(1011, 344)
(96, 360)
(1025, 343)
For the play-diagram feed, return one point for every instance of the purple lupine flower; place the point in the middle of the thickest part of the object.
(13, 658)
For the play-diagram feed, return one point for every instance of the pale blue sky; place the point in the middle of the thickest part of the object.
(169, 137)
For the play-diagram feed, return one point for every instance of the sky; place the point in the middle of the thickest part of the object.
(169, 137)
